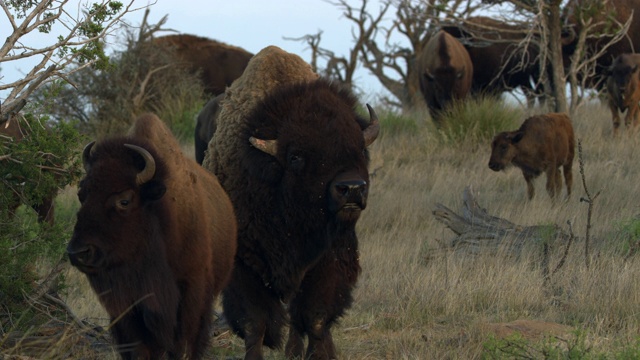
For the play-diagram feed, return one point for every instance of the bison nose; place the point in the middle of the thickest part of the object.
(351, 193)
(83, 257)
(494, 166)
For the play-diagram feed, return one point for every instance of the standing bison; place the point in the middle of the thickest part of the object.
(542, 144)
(445, 71)
(217, 63)
(623, 87)
(291, 151)
(156, 237)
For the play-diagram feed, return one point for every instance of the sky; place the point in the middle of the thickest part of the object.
(249, 24)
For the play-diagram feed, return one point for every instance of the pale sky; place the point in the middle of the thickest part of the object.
(249, 24)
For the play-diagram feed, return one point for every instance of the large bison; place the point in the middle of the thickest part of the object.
(206, 126)
(501, 63)
(291, 151)
(217, 63)
(623, 88)
(156, 237)
(445, 72)
(542, 144)
(602, 13)
(11, 130)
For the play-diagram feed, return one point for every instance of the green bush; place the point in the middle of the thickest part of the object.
(477, 120)
(31, 169)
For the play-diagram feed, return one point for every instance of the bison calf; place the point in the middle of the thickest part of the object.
(156, 237)
(542, 144)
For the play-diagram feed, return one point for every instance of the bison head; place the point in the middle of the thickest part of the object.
(623, 77)
(503, 149)
(317, 150)
(121, 179)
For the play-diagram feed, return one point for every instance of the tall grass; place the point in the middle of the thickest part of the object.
(416, 300)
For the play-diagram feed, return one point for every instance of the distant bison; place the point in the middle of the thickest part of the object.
(217, 63)
(156, 237)
(206, 126)
(291, 151)
(12, 130)
(445, 72)
(542, 144)
(623, 86)
(500, 62)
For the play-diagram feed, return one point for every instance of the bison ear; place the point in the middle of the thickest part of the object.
(152, 190)
(517, 137)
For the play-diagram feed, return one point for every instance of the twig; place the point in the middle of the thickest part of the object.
(589, 200)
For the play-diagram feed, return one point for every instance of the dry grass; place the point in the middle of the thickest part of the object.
(416, 301)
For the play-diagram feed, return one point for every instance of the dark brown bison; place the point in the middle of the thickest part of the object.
(623, 88)
(445, 71)
(291, 151)
(605, 11)
(542, 144)
(500, 63)
(206, 126)
(13, 131)
(156, 237)
(217, 63)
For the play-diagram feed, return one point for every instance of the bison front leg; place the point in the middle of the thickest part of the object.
(632, 116)
(615, 118)
(528, 177)
(554, 182)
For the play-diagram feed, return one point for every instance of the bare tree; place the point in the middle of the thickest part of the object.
(82, 43)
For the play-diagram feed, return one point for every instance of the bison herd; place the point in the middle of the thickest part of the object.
(266, 215)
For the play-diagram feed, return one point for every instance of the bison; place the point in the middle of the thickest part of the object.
(494, 46)
(605, 13)
(156, 237)
(542, 144)
(445, 72)
(217, 63)
(623, 87)
(206, 126)
(12, 130)
(291, 151)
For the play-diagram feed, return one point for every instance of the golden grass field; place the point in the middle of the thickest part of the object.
(416, 300)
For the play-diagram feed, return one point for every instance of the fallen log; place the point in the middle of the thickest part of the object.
(477, 231)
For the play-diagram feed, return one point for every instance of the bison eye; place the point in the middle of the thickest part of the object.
(122, 204)
(296, 162)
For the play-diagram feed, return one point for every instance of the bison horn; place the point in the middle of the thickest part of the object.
(371, 132)
(149, 164)
(268, 146)
(86, 155)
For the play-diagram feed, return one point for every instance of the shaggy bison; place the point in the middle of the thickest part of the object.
(156, 237)
(217, 63)
(623, 87)
(445, 71)
(291, 151)
(542, 144)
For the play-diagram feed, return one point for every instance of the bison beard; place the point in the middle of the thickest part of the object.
(297, 200)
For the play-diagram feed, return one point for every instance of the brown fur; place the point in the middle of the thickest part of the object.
(445, 71)
(493, 46)
(206, 126)
(622, 11)
(218, 64)
(45, 210)
(158, 260)
(297, 206)
(542, 144)
(623, 88)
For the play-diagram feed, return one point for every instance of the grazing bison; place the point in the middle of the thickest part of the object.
(623, 87)
(542, 144)
(206, 126)
(605, 12)
(156, 237)
(217, 63)
(445, 71)
(12, 131)
(494, 47)
(291, 151)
